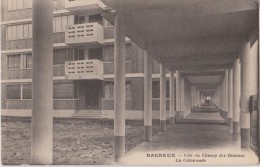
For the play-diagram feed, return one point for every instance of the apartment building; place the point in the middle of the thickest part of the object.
(83, 62)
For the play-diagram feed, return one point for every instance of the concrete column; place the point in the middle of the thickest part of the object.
(162, 98)
(119, 85)
(199, 97)
(223, 93)
(178, 92)
(178, 96)
(172, 98)
(192, 96)
(226, 95)
(147, 97)
(248, 88)
(230, 98)
(182, 97)
(236, 96)
(42, 83)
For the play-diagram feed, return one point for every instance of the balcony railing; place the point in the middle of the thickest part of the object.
(84, 69)
(81, 34)
(85, 7)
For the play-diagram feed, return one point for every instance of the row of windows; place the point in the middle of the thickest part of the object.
(59, 57)
(20, 31)
(70, 90)
(23, 61)
(14, 61)
(60, 91)
(60, 22)
(18, 4)
(156, 89)
(24, 31)
(109, 89)
(24, 4)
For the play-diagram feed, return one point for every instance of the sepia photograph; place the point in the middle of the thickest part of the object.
(130, 82)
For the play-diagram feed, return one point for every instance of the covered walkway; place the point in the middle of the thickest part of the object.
(185, 141)
(211, 50)
(202, 138)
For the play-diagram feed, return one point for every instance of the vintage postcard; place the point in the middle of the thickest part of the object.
(130, 82)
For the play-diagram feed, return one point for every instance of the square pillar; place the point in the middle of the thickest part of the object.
(182, 97)
(230, 98)
(226, 95)
(236, 96)
(172, 98)
(249, 81)
(178, 96)
(119, 85)
(162, 98)
(42, 83)
(147, 97)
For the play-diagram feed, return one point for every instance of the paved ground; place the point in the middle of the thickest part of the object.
(189, 144)
(206, 117)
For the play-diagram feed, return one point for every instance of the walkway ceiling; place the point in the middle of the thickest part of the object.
(190, 35)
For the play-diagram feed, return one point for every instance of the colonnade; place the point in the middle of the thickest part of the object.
(238, 84)
(227, 93)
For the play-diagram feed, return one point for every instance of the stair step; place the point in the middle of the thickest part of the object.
(88, 114)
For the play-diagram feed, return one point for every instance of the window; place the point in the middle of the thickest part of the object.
(14, 4)
(95, 53)
(9, 5)
(128, 88)
(63, 90)
(27, 91)
(62, 55)
(167, 89)
(79, 19)
(109, 89)
(13, 61)
(70, 19)
(60, 22)
(79, 54)
(76, 90)
(13, 31)
(64, 22)
(30, 30)
(18, 4)
(20, 31)
(27, 60)
(156, 89)
(26, 30)
(109, 53)
(95, 18)
(13, 91)
(27, 3)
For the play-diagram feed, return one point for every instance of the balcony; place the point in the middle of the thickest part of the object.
(84, 69)
(91, 34)
(84, 7)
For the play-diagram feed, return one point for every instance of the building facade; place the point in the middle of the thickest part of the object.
(83, 63)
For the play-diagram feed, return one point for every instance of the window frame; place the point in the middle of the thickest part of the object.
(24, 60)
(13, 5)
(20, 91)
(12, 31)
(6, 63)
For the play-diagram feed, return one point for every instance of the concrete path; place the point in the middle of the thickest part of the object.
(204, 117)
(190, 144)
